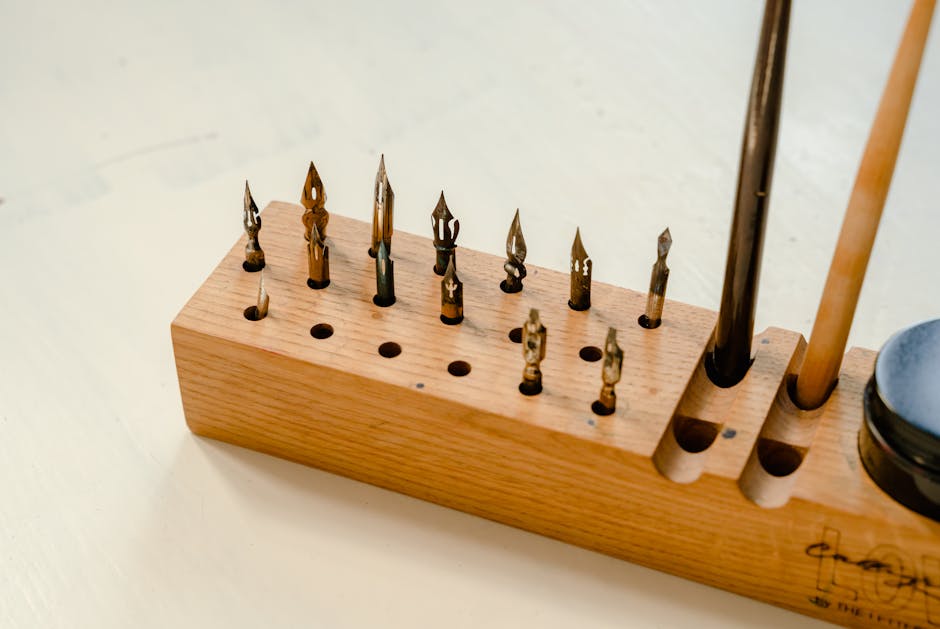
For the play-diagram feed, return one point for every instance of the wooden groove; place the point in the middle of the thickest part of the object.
(547, 463)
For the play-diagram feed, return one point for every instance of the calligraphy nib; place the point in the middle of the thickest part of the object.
(384, 278)
(251, 218)
(610, 375)
(445, 238)
(515, 256)
(660, 275)
(581, 266)
(313, 199)
(383, 208)
(260, 310)
(534, 337)
(318, 260)
(451, 295)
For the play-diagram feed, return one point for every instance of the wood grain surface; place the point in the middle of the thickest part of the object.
(546, 463)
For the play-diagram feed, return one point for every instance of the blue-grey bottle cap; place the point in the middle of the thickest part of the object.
(899, 442)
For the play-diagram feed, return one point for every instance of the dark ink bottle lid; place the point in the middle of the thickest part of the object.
(900, 439)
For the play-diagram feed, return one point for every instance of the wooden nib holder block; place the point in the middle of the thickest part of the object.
(735, 488)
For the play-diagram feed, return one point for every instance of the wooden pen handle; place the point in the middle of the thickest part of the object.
(844, 283)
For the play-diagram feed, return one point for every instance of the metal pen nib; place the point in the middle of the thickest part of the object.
(318, 260)
(260, 310)
(657, 295)
(313, 199)
(610, 375)
(254, 255)
(581, 266)
(444, 238)
(384, 278)
(515, 256)
(534, 337)
(383, 208)
(451, 295)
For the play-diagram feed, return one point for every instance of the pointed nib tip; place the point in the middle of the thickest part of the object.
(664, 242)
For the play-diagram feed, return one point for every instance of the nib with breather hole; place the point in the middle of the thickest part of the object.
(251, 218)
(384, 278)
(313, 199)
(606, 403)
(515, 256)
(451, 295)
(318, 260)
(534, 338)
(445, 239)
(581, 266)
(260, 310)
(383, 208)
(657, 295)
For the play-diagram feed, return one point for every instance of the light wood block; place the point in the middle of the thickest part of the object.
(834, 547)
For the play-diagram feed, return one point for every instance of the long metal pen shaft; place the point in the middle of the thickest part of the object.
(730, 356)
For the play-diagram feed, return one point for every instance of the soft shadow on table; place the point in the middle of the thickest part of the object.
(378, 518)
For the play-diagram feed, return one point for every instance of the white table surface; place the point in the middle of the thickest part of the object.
(127, 131)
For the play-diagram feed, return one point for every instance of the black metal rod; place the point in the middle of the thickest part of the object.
(730, 356)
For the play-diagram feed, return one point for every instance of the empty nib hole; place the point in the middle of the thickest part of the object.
(515, 335)
(390, 349)
(591, 353)
(779, 459)
(321, 331)
(458, 368)
(694, 435)
(251, 313)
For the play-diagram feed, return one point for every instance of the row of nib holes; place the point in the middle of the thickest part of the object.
(390, 349)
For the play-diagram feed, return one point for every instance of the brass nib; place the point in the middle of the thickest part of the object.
(581, 266)
(445, 239)
(318, 260)
(384, 278)
(657, 295)
(606, 404)
(254, 255)
(313, 199)
(515, 256)
(260, 310)
(451, 295)
(534, 338)
(383, 208)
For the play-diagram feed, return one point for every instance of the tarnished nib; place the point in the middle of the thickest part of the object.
(515, 256)
(254, 255)
(451, 295)
(260, 310)
(657, 295)
(581, 266)
(318, 260)
(383, 208)
(610, 375)
(534, 338)
(444, 238)
(313, 199)
(384, 278)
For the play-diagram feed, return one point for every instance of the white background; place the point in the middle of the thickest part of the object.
(126, 133)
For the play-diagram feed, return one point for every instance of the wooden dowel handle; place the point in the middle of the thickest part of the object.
(860, 225)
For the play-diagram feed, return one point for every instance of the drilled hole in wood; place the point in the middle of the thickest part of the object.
(694, 435)
(515, 335)
(777, 458)
(458, 368)
(591, 353)
(251, 313)
(390, 349)
(321, 331)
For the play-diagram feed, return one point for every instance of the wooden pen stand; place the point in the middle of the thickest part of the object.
(730, 487)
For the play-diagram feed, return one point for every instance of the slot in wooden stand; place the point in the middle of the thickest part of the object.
(834, 547)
